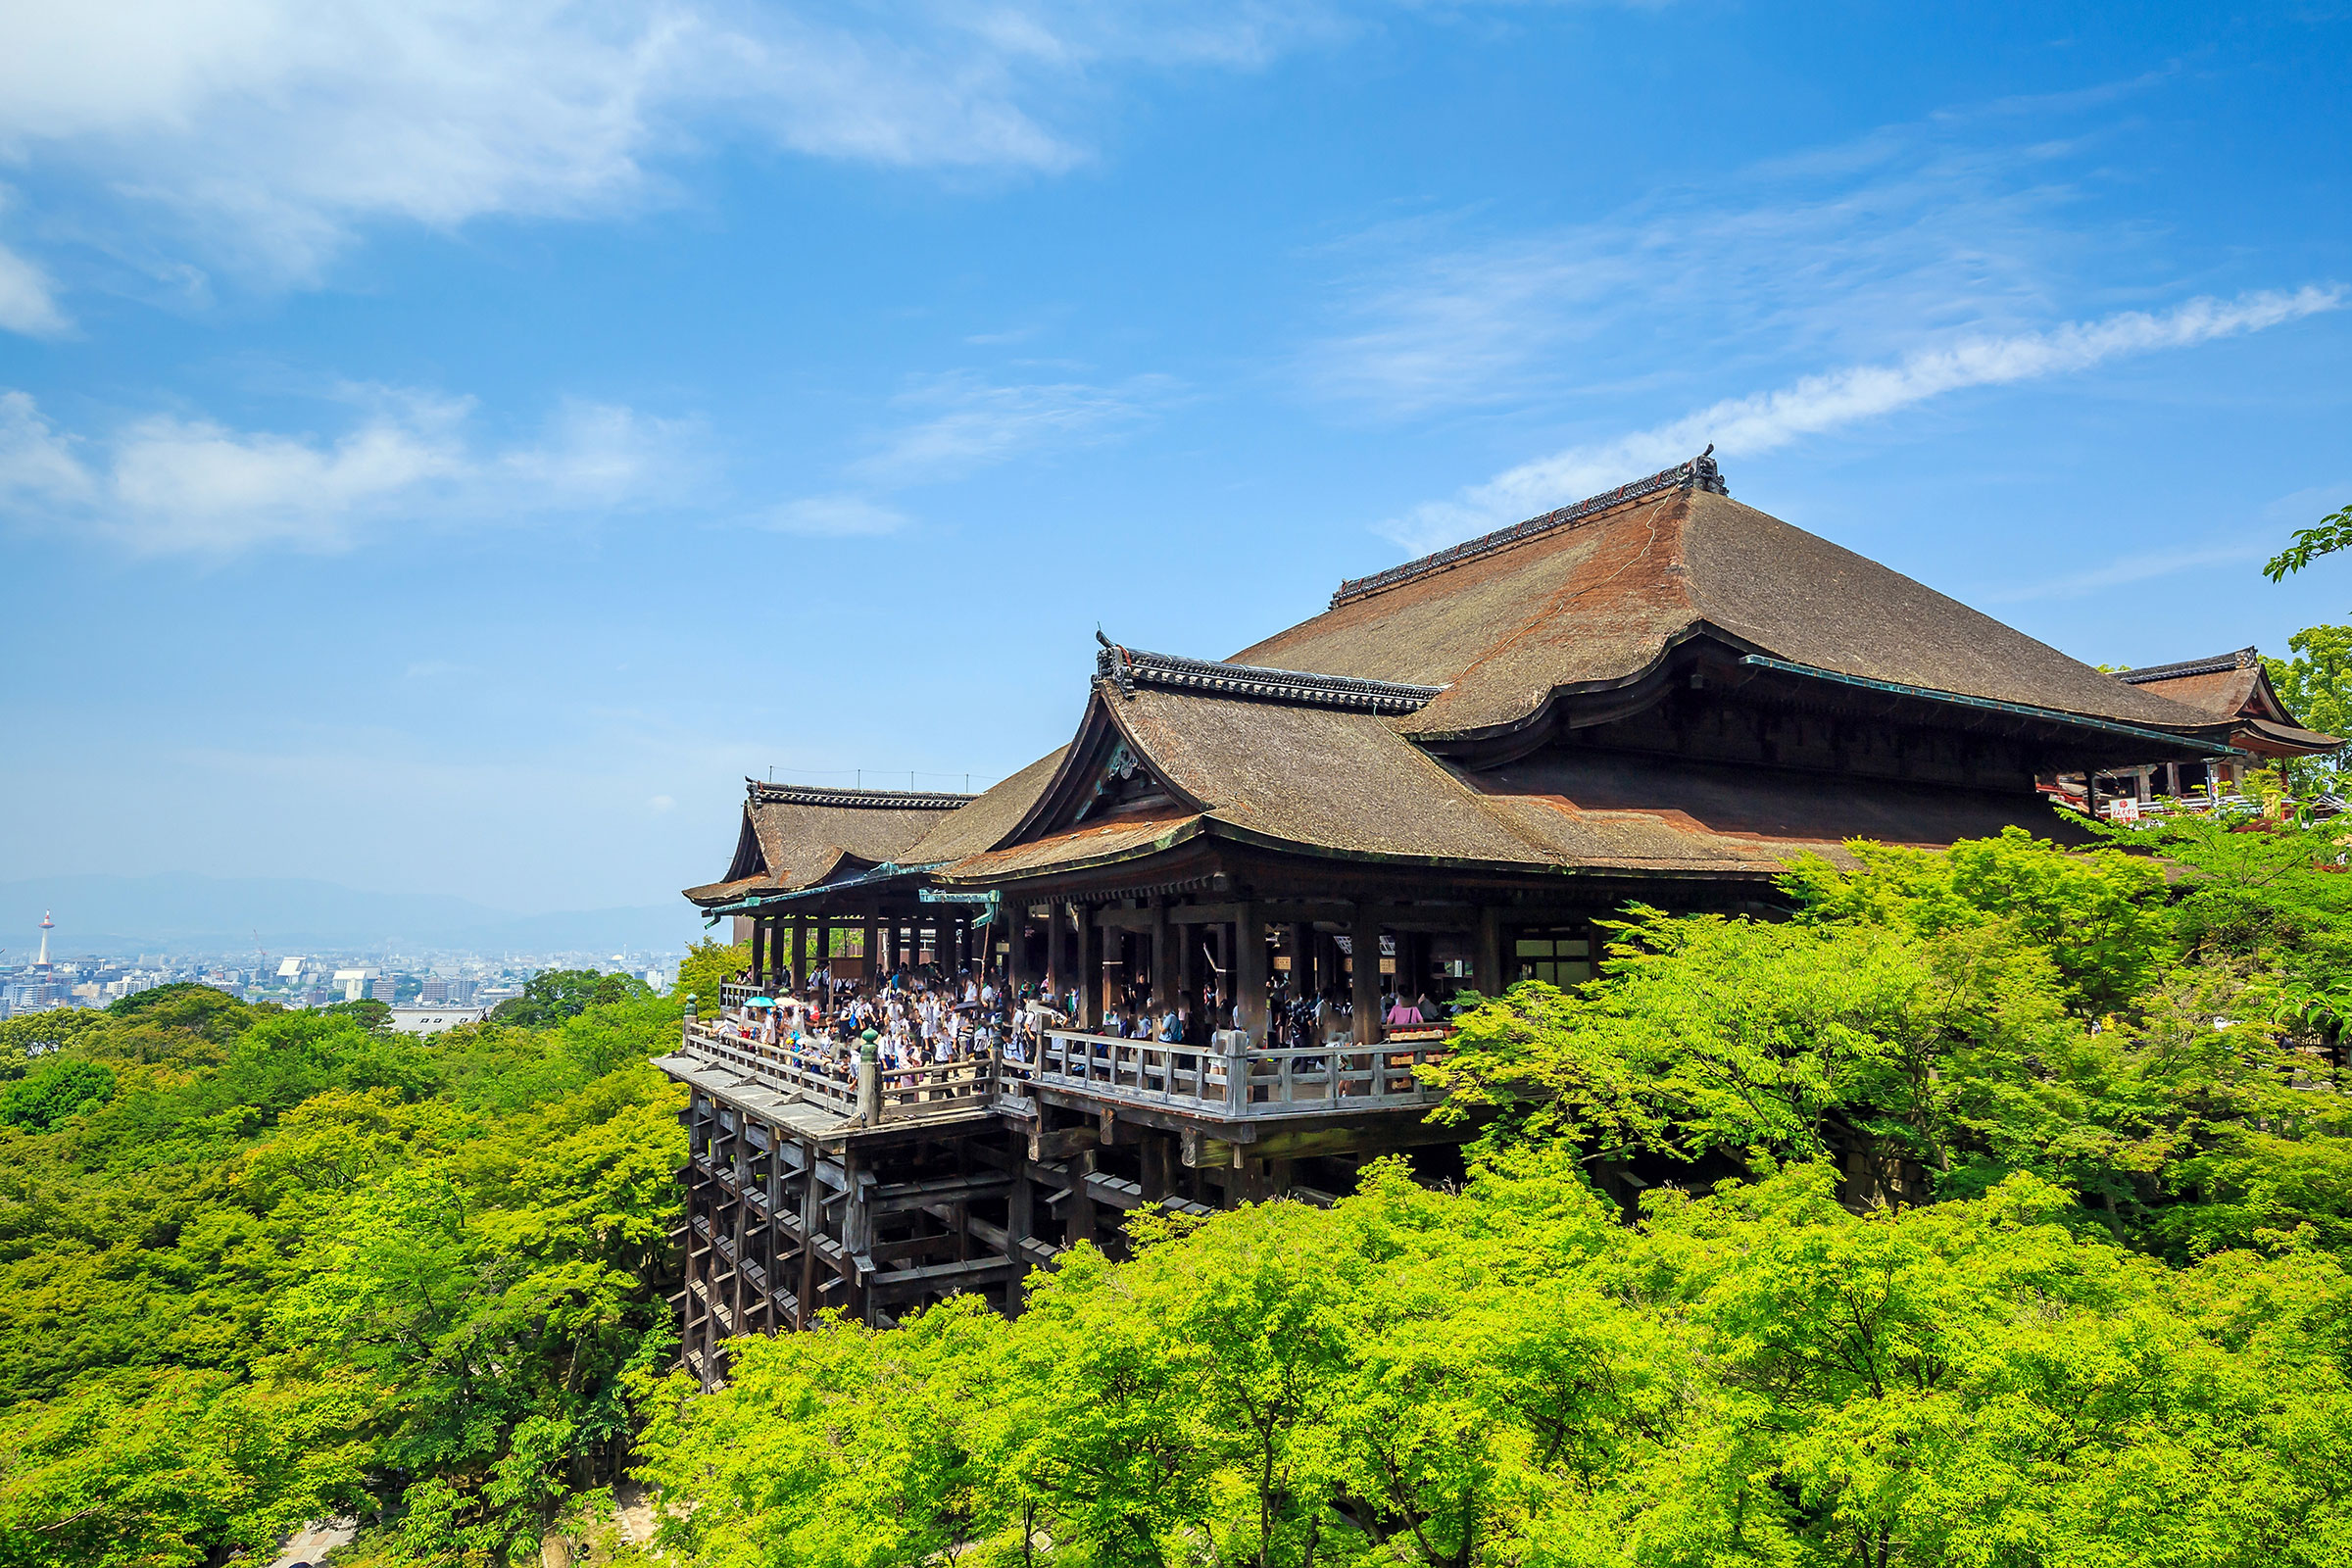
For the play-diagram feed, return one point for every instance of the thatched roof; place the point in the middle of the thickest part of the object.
(2234, 686)
(983, 823)
(1301, 777)
(1595, 601)
(794, 837)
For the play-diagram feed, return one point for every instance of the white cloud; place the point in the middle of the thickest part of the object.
(835, 517)
(978, 424)
(1855, 250)
(28, 299)
(174, 486)
(1746, 426)
(273, 128)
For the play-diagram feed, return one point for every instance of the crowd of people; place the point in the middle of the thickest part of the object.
(924, 1016)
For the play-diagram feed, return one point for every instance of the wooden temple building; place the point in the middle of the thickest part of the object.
(1461, 765)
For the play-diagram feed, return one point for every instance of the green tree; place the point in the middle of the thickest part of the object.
(2331, 534)
(2316, 684)
(554, 995)
(708, 965)
(58, 1089)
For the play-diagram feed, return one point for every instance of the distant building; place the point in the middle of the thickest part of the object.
(436, 1020)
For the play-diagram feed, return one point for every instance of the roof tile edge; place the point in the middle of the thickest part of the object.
(2214, 664)
(762, 793)
(1129, 667)
(1698, 473)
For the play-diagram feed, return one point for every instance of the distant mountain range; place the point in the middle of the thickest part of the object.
(182, 913)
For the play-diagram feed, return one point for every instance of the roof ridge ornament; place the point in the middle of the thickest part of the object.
(1128, 667)
(1700, 473)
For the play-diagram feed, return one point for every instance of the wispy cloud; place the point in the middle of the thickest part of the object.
(170, 484)
(2257, 542)
(975, 423)
(1865, 248)
(270, 130)
(28, 299)
(966, 423)
(835, 517)
(1817, 404)
(2144, 567)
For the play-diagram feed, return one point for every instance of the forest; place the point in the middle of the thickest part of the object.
(1991, 1208)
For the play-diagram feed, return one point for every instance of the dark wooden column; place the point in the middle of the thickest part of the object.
(1163, 957)
(1486, 964)
(1366, 979)
(1187, 946)
(800, 951)
(1248, 967)
(1090, 969)
(1057, 959)
(824, 940)
(873, 937)
(1302, 959)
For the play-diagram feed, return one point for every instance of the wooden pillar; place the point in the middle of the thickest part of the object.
(873, 937)
(824, 940)
(1486, 961)
(1058, 962)
(1090, 969)
(1365, 940)
(1303, 960)
(1079, 1218)
(1249, 966)
(759, 949)
(1015, 918)
(856, 1236)
(813, 1216)
(800, 951)
(1020, 1224)
(1188, 945)
(1222, 934)
(2172, 779)
(1163, 957)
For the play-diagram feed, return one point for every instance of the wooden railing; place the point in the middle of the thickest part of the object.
(899, 1094)
(1230, 1079)
(1227, 1081)
(774, 1068)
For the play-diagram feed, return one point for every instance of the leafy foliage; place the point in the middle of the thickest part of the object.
(2316, 684)
(554, 995)
(2325, 538)
(708, 965)
(294, 1265)
(1508, 1375)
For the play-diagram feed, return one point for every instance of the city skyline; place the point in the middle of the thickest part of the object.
(456, 482)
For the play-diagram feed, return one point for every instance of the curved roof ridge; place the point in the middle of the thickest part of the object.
(2211, 664)
(763, 793)
(1127, 668)
(1698, 473)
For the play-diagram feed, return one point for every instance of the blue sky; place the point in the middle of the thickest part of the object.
(444, 449)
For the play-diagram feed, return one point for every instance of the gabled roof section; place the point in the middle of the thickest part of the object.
(2224, 685)
(1594, 596)
(794, 837)
(2237, 687)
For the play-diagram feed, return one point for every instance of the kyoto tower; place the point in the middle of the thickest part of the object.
(47, 926)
